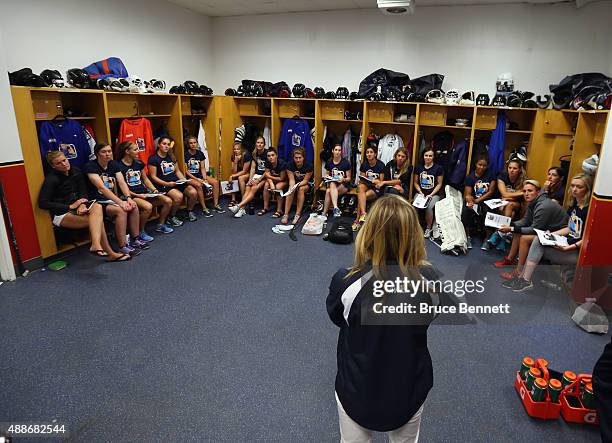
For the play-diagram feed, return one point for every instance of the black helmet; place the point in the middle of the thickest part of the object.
(330, 95)
(561, 101)
(102, 83)
(392, 95)
(258, 90)
(53, 78)
(298, 90)
(230, 91)
(342, 93)
(530, 103)
(205, 90)
(376, 97)
(240, 92)
(78, 78)
(319, 92)
(514, 101)
(191, 87)
(482, 100)
(499, 100)
(180, 89)
(354, 96)
(309, 93)
(543, 101)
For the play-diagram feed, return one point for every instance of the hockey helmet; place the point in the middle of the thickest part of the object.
(354, 96)
(309, 93)
(544, 101)
(435, 96)
(319, 92)
(499, 100)
(191, 87)
(330, 95)
(483, 100)
(298, 90)
(158, 85)
(451, 97)
(505, 82)
(52, 78)
(78, 78)
(467, 99)
(513, 100)
(342, 93)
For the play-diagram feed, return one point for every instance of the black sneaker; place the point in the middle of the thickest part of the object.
(522, 285)
(509, 284)
(218, 209)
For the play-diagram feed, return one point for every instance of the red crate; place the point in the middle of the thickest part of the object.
(546, 410)
(572, 409)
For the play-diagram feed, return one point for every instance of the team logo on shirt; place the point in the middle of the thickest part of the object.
(335, 172)
(481, 188)
(141, 144)
(372, 175)
(69, 150)
(133, 177)
(299, 176)
(396, 174)
(575, 225)
(167, 167)
(193, 165)
(426, 180)
(261, 164)
(108, 182)
(296, 140)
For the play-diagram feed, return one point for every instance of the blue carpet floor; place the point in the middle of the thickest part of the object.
(219, 333)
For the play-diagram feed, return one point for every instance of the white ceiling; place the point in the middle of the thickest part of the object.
(225, 8)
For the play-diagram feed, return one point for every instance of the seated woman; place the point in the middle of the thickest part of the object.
(479, 186)
(165, 175)
(64, 194)
(338, 169)
(241, 168)
(102, 187)
(397, 174)
(275, 179)
(542, 213)
(255, 181)
(299, 172)
(371, 174)
(428, 181)
(195, 161)
(131, 171)
(580, 188)
(554, 186)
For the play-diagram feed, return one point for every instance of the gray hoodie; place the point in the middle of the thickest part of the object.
(542, 213)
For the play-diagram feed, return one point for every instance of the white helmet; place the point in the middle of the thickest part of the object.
(435, 96)
(158, 85)
(136, 84)
(589, 166)
(468, 98)
(505, 82)
(452, 97)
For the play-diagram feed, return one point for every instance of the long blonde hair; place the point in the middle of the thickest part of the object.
(391, 234)
(588, 183)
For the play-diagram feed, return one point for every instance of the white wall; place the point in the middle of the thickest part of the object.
(471, 45)
(155, 39)
(11, 147)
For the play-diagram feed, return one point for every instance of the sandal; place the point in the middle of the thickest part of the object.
(122, 257)
(99, 252)
(277, 214)
(296, 219)
(285, 219)
(263, 211)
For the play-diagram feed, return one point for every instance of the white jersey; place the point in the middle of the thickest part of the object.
(387, 147)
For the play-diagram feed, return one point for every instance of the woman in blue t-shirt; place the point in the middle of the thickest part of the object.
(479, 186)
(132, 171)
(428, 181)
(510, 187)
(204, 184)
(554, 187)
(241, 168)
(338, 174)
(371, 175)
(299, 171)
(580, 188)
(165, 174)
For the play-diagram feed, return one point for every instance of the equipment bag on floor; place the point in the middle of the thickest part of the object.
(341, 232)
(314, 225)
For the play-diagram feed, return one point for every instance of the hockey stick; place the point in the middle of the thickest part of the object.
(7, 215)
(219, 175)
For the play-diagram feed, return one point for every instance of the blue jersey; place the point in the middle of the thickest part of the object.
(295, 134)
(67, 136)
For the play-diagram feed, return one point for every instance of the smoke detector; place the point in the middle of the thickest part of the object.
(396, 7)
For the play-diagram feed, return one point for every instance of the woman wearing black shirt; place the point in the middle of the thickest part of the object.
(64, 194)
(384, 367)
(241, 167)
(553, 186)
(397, 173)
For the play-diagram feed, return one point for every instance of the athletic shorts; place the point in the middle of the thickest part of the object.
(57, 220)
(179, 187)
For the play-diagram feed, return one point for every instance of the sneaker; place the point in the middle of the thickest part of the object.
(218, 209)
(468, 240)
(240, 213)
(175, 221)
(234, 209)
(145, 237)
(337, 212)
(355, 226)
(509, 275)
(427, 232)
(232, 204)
(139, 244)
(522, 285)
(130, 251)
(486, 245)
(509, 284)
(505, 262)
(206, 213)
(192, 217)
(362, 219)
(164, 228)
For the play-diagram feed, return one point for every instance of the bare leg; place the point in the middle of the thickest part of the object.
(301, 196)
(515, 246)
(177, 198)
(266, 196)
(361, 199)
(120, 219)
(192, 197)
(524, 245)
(215, 185)
(145, 209)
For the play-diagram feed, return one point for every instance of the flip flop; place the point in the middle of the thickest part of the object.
(277, 214)
(285, 219)
(99, 253)
(296, 218)
(263, 212)
(122, 257)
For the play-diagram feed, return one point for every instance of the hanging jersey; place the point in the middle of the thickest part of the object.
(67, 136)
(295, 134)
(428, 177)
(107, 175)
(193, 162)
(91, 139)
(387, 147)
(139, 132)
(346, 144)
(577, 222)
(133, 175)
(166, 168)
(202, 143)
